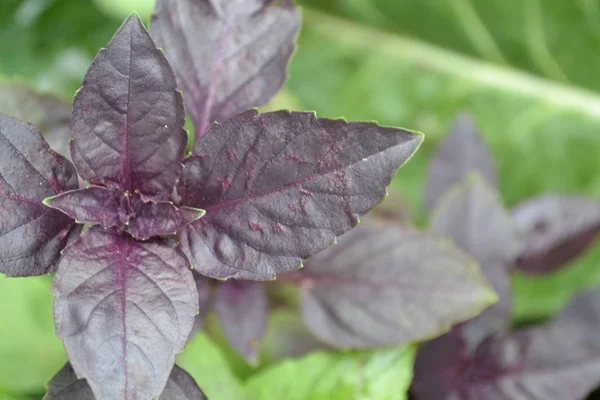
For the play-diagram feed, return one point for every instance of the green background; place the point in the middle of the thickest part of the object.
(527, 70)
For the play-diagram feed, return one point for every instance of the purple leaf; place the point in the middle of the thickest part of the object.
(50, 114)
(387, 285)
(124, 309)
(109, 208)
(31, 234)
(228, 56)
(473, 216)
(555, 231)
(181, 386)
(66, 386)
(128, 118)
(560, 361)
(278, 187)
(461, 152)
(242, 308)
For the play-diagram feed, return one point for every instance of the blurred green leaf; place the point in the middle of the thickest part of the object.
(550, 38)
(30, 352)
(203, 360)
(369, 375)
(51, 42)
(544, 135)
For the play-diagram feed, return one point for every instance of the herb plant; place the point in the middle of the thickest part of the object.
(486, 358)
(275, 187)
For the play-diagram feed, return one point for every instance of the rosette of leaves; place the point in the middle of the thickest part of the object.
(485, 358)
(260, 193)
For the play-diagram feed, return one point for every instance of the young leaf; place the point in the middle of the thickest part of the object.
(65, 385)
(242, 308)
(473, 216)
(109, 208)
(128, 117)
(31, 234)
(556, 362)
(50, 114)
(241, 61)
(556, 229)
(387, 285)
(124, 309)
(156, 219)
(375, 375)
(461, 152)
(92, 205)
(280, 186)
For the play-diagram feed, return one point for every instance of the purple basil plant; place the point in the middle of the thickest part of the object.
(259, 194)
(485, 358)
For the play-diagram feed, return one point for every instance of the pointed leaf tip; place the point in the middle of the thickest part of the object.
(305, 181)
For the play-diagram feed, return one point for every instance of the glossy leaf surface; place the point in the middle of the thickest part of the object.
(109, 208)
(66, 386)
(241, 61)
(50, 114)
(242, 308)
(128, 117)
(278, 187)
(555, 231)
(31, 234)
(124, 309)
(554, 362)
(374, 375)
(474, 217)
(387, 285)
(461, 152)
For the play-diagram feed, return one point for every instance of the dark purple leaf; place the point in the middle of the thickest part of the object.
(461, 152)
(385, 285)
(243, 310)
(110, 208)
(124, 309)
(474, 217)
(204, 300)
(128, 117)
(228, 56)
(560, 361)
(278, 187)
(50, 114)
(31, 234)
(181, 386)
(555, 230)
(66, 386)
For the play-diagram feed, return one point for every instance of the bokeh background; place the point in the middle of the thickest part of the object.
(527, 70)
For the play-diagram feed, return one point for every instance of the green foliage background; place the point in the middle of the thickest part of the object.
(527, 70)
